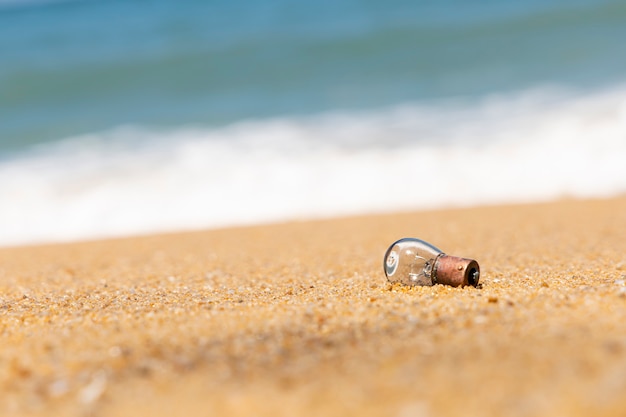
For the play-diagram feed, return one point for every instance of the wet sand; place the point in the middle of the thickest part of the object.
(297, 320)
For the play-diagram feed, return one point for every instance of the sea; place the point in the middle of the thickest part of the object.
(126, 117)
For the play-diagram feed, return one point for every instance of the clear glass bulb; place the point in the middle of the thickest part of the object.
(412, 261)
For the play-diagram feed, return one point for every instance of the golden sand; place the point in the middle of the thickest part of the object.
(298, 320)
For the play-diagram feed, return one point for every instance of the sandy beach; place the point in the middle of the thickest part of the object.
(298, 320)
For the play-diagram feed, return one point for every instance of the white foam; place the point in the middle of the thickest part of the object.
(534, 146)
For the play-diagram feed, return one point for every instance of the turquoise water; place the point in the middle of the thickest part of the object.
(73, 67)
(120, 117)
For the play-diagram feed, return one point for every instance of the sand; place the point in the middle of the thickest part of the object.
(297, 320)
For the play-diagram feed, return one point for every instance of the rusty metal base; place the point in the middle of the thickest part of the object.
(455, 271)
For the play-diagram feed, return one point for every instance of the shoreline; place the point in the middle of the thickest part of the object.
(309, 220)
(297, 319)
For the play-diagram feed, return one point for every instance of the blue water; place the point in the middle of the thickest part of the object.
(73, 67)
(178, 104)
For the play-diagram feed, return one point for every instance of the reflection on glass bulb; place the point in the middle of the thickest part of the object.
(414, 262)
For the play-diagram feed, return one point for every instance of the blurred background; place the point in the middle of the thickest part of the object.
(126, 116)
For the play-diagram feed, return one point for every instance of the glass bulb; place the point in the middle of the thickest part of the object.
(414, 262)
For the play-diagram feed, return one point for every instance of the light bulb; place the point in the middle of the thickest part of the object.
(414, 262)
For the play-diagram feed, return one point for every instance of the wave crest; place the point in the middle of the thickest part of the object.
(538, 145)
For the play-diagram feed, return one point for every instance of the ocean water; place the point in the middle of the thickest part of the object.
(125, 117)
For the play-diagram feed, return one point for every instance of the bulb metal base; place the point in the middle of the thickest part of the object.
(455, 271)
